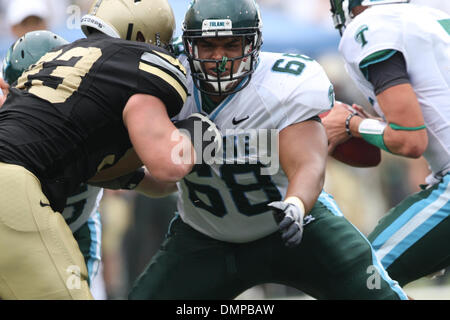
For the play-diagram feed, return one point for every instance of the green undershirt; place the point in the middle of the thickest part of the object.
(207, 104)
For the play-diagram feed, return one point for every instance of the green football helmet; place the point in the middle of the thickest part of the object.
(342, 10)
(216, 19)
(27, 50)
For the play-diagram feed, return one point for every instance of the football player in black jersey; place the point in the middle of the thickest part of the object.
(95, 109)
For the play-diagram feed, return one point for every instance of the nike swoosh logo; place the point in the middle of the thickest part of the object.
(44, 204)
(235, 122)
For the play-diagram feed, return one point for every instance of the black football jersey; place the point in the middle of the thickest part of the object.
(63, 118)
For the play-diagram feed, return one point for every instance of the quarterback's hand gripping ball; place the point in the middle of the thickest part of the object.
(356, 152)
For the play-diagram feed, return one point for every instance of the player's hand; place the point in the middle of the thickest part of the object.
(204, 134)
(289, 217)
(360, 110)
(334, 123)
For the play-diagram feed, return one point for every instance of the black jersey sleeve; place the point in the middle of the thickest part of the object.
(161, 75)
(388, 73)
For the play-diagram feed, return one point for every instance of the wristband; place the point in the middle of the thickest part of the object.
(296, 201)
(347, 123)
(372, 131)
(397, 127)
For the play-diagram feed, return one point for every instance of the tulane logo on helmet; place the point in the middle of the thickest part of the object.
(222, 19)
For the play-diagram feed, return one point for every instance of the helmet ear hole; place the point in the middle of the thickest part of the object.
(22, 53)
(140, 37)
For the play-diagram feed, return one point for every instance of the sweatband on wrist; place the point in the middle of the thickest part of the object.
(296, 201)
(372, 131)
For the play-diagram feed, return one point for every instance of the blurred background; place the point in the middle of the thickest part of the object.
(134, 226)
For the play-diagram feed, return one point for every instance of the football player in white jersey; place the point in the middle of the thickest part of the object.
(242, 220)
(398, 54)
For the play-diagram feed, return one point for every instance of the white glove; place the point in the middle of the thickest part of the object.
(289, 216)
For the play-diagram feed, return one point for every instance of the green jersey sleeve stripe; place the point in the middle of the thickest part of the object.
(445, 24)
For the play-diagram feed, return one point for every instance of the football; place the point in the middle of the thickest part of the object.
(356, 152)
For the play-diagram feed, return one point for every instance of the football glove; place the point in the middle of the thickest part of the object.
(289, 216)
(204, 134)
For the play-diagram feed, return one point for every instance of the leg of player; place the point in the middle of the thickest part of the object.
(413, 234)
(52, 266)
(89, 238)
(190, 265)
(333, 261)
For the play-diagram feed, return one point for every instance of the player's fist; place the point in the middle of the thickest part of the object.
(289, 217)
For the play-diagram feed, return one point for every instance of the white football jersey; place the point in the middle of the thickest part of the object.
(81, 206)
(228, 200)
(422, 35)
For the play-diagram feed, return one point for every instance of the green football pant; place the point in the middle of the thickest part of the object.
(333, 261)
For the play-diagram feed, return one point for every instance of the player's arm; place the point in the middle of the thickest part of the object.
(160, 94)
(153, 188)
(302, 149)
(140, 181)
(168, 155)
(303, 160)
(165, 151)
(404, 132)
